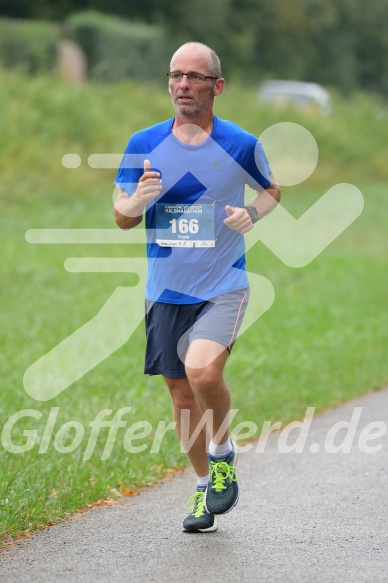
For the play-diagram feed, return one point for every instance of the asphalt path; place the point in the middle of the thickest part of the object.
(318, 515)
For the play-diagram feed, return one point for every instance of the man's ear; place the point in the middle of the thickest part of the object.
(218, 86)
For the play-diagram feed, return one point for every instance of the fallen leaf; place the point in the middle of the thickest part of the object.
(107, 502)
(130, 492)
(85, 509)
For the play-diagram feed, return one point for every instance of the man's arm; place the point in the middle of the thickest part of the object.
(128, 210)
(264, 202)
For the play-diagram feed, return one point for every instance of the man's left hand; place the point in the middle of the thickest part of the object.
(238, 219)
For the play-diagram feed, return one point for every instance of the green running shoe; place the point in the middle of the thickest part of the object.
(199, 520)
(222, 490)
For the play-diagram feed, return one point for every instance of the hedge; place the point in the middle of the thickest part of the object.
(117, 48)
(29, 45)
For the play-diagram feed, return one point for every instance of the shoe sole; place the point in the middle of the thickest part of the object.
(210, 529)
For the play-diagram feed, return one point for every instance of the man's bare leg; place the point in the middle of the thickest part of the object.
(205, 363)
(184, 399)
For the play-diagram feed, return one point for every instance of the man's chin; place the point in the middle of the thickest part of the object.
(186, 108)
(187, 111)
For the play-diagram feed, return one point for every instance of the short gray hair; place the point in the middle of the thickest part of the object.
(214, 62)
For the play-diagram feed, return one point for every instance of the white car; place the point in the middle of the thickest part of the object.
(308, 96)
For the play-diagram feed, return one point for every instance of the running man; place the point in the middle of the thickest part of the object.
(188, 176)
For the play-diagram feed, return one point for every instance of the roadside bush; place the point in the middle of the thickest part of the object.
(29, 45)
(117, 49)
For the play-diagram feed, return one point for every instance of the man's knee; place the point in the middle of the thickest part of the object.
(203, 379)
(181, 393)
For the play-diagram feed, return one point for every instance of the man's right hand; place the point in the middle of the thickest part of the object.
(149, 185)
(128, 210)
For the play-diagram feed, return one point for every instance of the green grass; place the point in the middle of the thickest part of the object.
(320, 344)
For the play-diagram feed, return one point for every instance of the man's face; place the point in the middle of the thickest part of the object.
(192, 100)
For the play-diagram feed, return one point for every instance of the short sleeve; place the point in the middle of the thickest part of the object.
(259, 169)
(130, 169)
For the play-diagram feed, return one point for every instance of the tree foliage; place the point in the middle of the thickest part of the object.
(343, 43)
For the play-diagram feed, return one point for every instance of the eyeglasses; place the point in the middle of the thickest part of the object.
(193, 76)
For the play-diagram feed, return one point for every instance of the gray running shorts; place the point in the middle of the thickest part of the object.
(170, 328)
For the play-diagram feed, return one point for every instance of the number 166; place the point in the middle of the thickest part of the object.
(184, 226)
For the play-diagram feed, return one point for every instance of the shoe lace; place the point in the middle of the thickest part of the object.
(196, 504)
(219, 473)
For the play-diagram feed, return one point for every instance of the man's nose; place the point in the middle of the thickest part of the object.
(184, 82)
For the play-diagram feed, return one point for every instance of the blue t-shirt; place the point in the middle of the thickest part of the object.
(207, 176)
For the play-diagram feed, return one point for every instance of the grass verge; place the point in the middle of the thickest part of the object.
(320, 343)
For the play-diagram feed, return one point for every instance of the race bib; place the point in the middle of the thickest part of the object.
(180, 225)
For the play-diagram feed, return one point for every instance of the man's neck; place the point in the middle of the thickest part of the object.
(192, 132)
